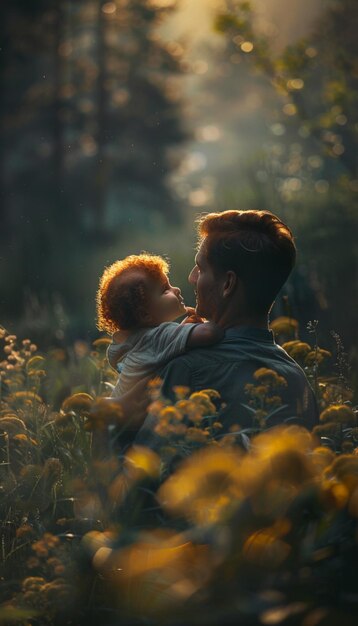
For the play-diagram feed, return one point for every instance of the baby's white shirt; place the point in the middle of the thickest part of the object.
(146, 351)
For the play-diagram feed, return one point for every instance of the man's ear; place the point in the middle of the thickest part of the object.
(230, 284)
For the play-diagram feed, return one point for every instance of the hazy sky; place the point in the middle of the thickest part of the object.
(292, 18)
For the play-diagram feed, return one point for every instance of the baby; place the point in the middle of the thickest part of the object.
(137, 305)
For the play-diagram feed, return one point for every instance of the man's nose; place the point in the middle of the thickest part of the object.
(193, 276)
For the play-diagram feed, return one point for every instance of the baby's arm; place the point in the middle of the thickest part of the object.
(204, 335)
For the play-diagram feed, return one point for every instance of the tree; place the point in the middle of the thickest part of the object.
(90, 124)
(314, 153)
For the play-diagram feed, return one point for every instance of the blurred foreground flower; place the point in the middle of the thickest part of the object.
(155, 575)
(103, 413)
(265, 548)
(140, 461)
(204, 486)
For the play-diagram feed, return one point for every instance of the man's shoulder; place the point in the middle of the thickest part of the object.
(191, 361)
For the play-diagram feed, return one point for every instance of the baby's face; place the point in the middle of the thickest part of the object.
(166, 302)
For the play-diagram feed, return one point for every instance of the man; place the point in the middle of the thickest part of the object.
(243, 260)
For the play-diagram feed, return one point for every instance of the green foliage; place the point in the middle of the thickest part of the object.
(307, 170)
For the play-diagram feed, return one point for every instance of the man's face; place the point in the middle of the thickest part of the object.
(206, 286)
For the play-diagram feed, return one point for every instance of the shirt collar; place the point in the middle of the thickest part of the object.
(249, 332)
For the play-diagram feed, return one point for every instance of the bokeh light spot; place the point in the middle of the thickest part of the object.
(109, 8)
(295, 84)
(247, 46)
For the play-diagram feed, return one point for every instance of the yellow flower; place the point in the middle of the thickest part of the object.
(22, 438)
(40, 548)
(102, 343)
(334, 394)
(171, 413)
(345, 468)
(141, 462)
(26, 397)
(339, 414)
(330, 429)
(181, 392)
(35, 363)
(192, 410)
(154, 388)
(156, 574)
(270, 377)
(33, 583)
(212, 393)
(104, 411)
(260, 391)
(204, 486)
(322, 457)
(227, 440)
(264, 549)
(317, 356)
(12, 424)
(197, 435)
(273, 401)
(235, 428)
(333, 494)
(284, 326)
(202, 400)
(78, 402)
(298, 350)
(10, 338)
(155, 382)
(36, 373)
(156, 407)
(25, 530)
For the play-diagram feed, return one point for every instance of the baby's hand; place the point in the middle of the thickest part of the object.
(192, 317)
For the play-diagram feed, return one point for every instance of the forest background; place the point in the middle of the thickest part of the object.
(121, 121)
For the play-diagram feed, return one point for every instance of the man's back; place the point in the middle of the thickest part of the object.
(229, 367)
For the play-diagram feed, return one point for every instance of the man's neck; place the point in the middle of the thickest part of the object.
(251, 321)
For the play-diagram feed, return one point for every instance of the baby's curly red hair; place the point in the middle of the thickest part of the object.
(123, 292)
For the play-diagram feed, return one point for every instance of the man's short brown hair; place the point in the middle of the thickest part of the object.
(256, 245)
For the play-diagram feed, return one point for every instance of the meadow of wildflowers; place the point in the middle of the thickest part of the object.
(243, 527)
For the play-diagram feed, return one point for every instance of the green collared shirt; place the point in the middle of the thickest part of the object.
(229, 367)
